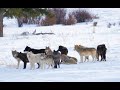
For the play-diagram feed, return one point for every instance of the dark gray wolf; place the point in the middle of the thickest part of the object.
(101, 51)
(55, 55)
(63, 50)
(19, 56)
(56, 58)
(35, 51)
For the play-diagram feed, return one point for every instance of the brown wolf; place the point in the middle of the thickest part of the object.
(86, 57)
(85, 52)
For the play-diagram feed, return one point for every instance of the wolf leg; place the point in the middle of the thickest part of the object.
(85, 59)
(81, 59)
(25, 63)
(38, 65)
(59, 65)
(18, 64)
(31, 65)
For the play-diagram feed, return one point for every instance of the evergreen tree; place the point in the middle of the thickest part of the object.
(18, 13)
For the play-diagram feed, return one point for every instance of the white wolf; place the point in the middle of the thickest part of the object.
(40, 58)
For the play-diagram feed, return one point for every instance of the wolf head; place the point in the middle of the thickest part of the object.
(56, 52)
(61, 48)
(48, 51)
(27, 49)
(14, 53)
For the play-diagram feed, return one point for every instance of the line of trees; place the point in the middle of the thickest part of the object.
(51, 16)
(19, 13)
(60, 16)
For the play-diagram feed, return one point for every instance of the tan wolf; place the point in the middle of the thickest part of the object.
(86, 57)
(68, 60)
(85, 52)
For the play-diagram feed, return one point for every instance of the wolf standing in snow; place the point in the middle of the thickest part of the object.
(40, 58)
(21, 57)
(85, 52)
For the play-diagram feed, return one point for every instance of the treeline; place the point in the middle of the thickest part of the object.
(59, 16)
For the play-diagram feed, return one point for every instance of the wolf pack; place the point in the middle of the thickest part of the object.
(48, 58)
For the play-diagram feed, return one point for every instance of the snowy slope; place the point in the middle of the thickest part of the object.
(68, 36)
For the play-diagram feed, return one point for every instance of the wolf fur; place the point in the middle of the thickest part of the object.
(85, 52)
(63, 50)
(40, 58)
(101, 51)
(56, 56)
(19, 56)
(73, 58)
(35, 51)
(86, 57)
(66, 60)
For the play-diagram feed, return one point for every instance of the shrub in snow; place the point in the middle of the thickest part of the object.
(95, 24)
(70, 20)
(82, 15)
(49, 19)
(114, 24)
(109, 25)
(60, 14)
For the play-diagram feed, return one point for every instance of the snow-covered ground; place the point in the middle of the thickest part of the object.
(68, 36)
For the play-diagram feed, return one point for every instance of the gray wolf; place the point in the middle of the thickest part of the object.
(19, 56)
(67, 60)
(101, 51)
(63, 50)
(55, 55)
(56, 58)
(85, 52)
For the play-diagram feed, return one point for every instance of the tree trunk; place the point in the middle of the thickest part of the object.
(1, 24)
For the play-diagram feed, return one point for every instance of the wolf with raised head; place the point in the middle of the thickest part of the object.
(55, 55)
(85, 52)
